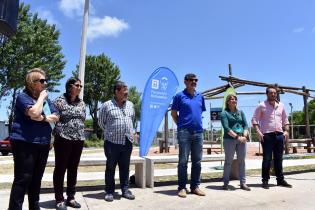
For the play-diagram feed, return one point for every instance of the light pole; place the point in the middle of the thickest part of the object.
(83, 46)
(291, 113)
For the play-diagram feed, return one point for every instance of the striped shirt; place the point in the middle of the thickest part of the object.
(117, 122)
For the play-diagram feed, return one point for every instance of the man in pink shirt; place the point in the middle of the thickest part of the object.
(271, 124)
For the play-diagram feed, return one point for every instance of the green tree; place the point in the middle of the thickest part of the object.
(35, 44)
(88, 123)
(311, 108)
(100, 76)
(135, 97)
(298, 118)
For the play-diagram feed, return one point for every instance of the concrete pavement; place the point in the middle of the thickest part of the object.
(299, 197)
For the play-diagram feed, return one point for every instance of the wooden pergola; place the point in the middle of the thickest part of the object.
(235, 82)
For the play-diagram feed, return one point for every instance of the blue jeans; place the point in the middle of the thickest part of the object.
(273, 144)
(117, 154)
(230, 146)
(189, 142)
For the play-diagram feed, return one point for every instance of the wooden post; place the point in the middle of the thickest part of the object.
(230, 69)
(306, 116)
(286, 147)
(166, 132)
(278, 92)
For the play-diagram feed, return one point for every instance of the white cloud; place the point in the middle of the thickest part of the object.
(98, 27)
(313, 29)
(298, 30)
(72, 8)
(48, 15)
(107, 26)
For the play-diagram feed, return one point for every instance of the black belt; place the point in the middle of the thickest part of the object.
(276, 133)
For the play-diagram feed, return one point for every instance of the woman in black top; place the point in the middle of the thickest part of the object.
(69, 139)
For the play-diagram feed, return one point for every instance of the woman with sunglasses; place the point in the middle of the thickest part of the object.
(235, 136)
(68, 144)
(30, 139)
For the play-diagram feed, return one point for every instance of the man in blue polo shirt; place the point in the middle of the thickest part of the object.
(187, 109)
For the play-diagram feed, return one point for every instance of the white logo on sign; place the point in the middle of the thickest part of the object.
(155, 84)
(164, 83)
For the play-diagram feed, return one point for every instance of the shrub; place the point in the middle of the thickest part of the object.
(93, 141)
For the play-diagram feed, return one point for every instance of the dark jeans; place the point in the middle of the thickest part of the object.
(189, 142)
(29, 166)
(117, 154)
(67, 157)
(273, 144)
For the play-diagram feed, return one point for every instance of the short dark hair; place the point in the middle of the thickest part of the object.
(189, 76)
(118, 85)
(271, 87)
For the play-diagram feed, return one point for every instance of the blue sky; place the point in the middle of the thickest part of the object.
(268, 41)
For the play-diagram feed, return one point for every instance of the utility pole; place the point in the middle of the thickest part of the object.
(83, 46)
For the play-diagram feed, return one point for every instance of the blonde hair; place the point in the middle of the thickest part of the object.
(228, 98)
(31, 76)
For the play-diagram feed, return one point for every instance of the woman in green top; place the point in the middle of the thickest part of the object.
(235, 137)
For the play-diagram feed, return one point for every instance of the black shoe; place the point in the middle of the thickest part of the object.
(61, 206)
(284, 183)
(225, 187)
(265, 185)
(109, 197)
(245, 187)
(73, 203)
(127, 194)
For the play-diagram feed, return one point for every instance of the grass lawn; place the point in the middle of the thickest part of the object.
(206, 177)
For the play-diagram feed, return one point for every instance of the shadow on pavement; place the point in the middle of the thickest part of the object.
(219, 187)
(167, 192)
(48, 204)
(259, 185)
(78, 189)
(101, 195)
(299, 172)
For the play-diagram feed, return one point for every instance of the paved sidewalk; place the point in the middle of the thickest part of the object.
(299, 197)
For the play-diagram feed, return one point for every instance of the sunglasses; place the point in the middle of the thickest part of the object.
(42, 81)
(77, 85)
(193, 80)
